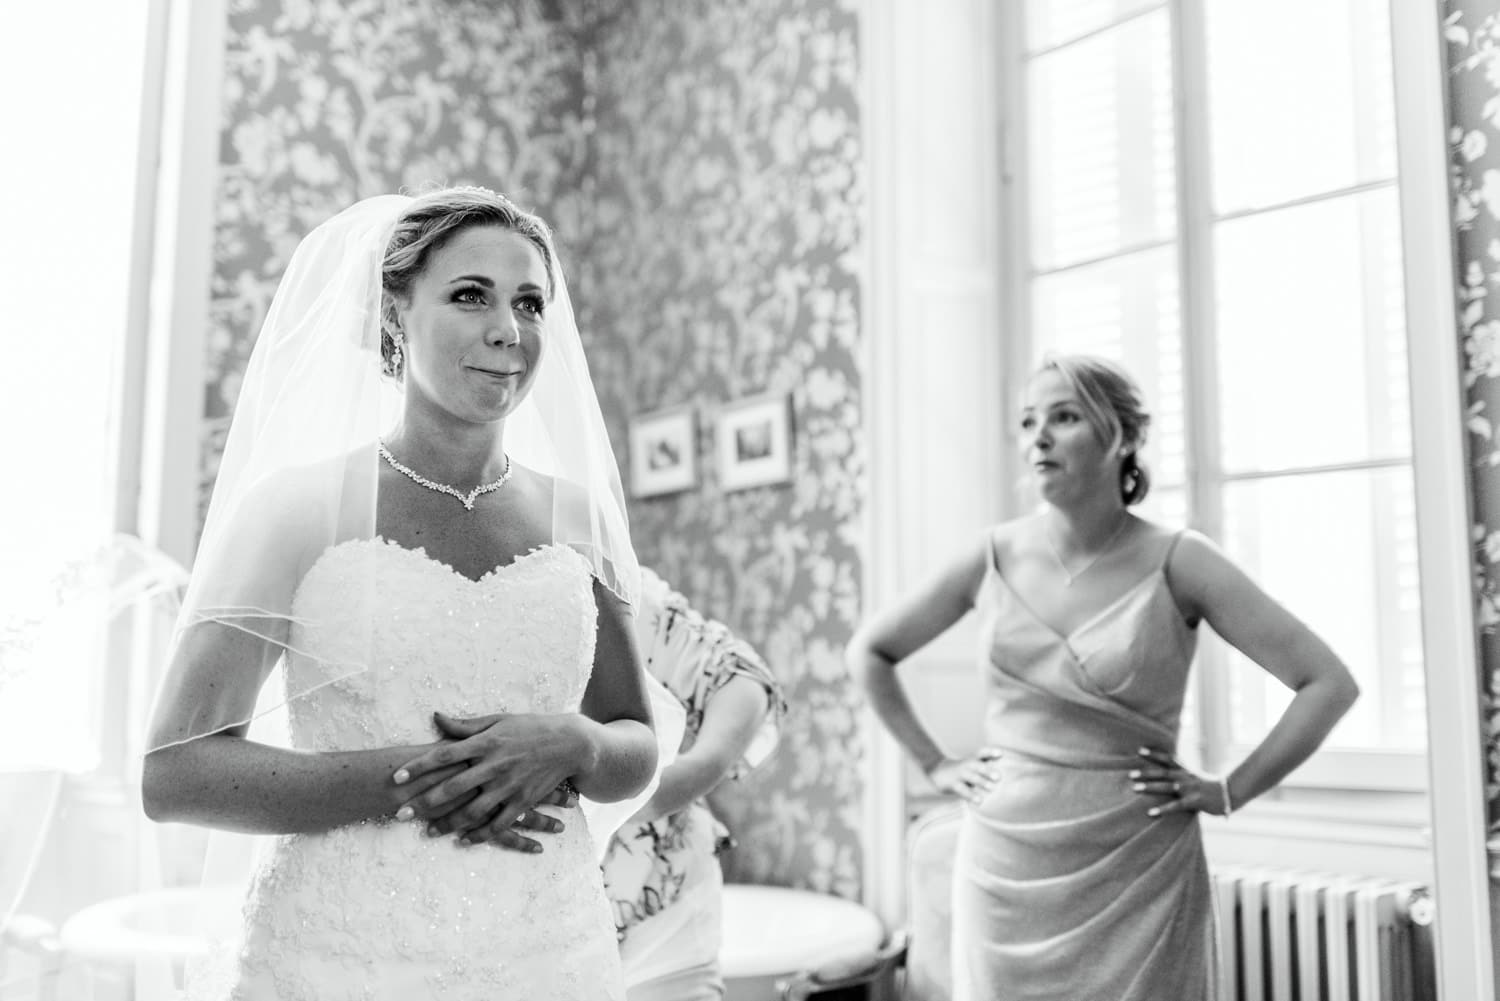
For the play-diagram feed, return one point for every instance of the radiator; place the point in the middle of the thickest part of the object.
(1300, 936)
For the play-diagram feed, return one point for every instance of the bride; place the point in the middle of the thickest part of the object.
(435, 584)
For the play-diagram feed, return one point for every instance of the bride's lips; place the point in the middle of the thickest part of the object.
(495, 374)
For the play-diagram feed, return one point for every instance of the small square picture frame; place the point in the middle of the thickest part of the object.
(754, 441)
(663, 451)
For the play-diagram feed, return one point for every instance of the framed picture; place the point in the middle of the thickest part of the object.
(663, 452)
(755, 441)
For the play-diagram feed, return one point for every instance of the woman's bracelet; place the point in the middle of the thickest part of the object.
(1224, 788)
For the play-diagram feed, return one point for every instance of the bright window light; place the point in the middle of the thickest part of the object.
(1301, 463)
(73, 76)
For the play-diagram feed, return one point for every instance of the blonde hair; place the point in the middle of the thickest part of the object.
(430, 221)
(1112, 404)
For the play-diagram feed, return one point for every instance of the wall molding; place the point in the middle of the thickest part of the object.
(1466, 958)
(182, 274)
(934, 364)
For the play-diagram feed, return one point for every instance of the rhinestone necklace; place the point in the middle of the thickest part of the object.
(1071, 577)
(466, 499)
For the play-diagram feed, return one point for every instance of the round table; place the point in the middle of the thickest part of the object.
(771, 932)
(171, 924)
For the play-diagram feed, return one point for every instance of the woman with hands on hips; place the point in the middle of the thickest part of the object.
(1080, 873)
(418, 527)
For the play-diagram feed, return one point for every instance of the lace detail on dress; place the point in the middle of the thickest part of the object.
(377, 911)
(520, 639)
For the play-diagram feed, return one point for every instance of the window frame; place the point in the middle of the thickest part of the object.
(160, 402)
(133, 399)
(157, 409)
(1455, 745)
(1402, 772)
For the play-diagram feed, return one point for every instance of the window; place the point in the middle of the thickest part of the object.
(73, 125)
(1207, 191)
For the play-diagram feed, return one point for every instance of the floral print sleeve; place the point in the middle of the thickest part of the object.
(653, 865)
(695, 657)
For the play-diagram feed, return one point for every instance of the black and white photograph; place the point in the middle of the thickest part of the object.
(754, 441)
(663, 451)
(773, 500)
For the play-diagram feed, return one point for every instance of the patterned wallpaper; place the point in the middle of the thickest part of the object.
(1473, 35)
(722, 264)
(699, 161)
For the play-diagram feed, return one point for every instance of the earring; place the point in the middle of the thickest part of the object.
(397, 339)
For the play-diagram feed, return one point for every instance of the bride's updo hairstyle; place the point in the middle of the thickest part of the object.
(431, 221)
(1112, 404)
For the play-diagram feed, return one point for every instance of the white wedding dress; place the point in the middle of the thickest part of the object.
(377, 911)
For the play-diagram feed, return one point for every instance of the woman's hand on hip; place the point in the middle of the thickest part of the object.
(1173, 788)
(972, 777)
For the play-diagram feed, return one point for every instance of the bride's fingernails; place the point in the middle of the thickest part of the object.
(432, 831)
(401, 777)
(405, 813)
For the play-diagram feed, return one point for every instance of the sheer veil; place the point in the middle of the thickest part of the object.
(298, 477)
(300, 463)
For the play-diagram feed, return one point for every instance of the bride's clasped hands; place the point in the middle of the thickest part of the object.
(484, 782)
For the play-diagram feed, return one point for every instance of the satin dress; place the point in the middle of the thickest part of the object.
(1064, 889)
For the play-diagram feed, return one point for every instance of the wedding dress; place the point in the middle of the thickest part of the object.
(378, 911)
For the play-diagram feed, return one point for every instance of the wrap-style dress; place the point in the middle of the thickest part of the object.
(1064, 888)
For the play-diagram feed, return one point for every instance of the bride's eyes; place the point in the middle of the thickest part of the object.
(473, 295)
(531, 304)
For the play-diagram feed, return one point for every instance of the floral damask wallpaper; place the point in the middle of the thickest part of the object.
(1473, 42)
(722, 263)
(699, 161)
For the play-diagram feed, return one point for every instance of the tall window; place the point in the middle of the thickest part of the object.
(1209, 194)
(73, 77)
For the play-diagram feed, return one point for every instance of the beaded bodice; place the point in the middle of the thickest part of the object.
(520, 640)
(379, 911)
